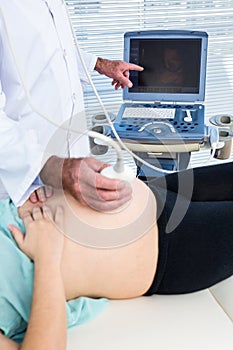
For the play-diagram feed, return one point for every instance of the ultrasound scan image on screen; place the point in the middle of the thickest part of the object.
(170, 65)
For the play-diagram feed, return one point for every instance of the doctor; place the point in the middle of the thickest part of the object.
(42, 117)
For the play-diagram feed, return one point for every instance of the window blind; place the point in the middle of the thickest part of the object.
(100, 26)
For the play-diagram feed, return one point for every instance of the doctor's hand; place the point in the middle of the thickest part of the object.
(82, 179)
(117, 70)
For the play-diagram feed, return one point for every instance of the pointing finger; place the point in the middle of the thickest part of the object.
(132, 66)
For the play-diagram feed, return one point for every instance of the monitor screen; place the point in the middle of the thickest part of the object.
(170, 66)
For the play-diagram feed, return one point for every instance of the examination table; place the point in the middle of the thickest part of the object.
(197, 321)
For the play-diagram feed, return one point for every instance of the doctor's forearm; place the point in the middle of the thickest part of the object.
(51, 173)
(59, 172)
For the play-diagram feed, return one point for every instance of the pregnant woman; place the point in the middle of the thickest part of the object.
(55, 275)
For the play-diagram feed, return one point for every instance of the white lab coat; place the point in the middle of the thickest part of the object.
(40, 85)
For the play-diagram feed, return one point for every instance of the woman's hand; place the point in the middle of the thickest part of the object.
(44, 238)
(41, 194)
(43, 242)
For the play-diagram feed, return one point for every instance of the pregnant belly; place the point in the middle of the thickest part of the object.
(116, 270)
(116, 273)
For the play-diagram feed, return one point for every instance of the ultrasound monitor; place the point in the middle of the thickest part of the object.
(174, 65)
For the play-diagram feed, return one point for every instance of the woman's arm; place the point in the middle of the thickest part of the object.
(47, 323)
(7, 344)
(43, 243)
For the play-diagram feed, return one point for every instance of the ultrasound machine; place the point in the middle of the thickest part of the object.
(162, 116)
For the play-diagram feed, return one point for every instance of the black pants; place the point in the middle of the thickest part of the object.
(195, 220)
